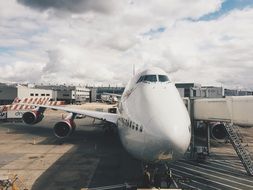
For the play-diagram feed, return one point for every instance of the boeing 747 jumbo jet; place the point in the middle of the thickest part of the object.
(151, 119)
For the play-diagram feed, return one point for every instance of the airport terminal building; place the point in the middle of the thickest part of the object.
(69, 94)
(80, 94)
(9, 92)
(195, 90)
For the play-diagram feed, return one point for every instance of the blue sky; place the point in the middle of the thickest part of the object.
(6, 49)
(154, 31)
(227, 6)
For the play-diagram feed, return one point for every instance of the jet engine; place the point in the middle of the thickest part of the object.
(32, 117)
(64, 128)
(218, 131)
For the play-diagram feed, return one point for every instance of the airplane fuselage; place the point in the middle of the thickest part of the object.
(153, 122)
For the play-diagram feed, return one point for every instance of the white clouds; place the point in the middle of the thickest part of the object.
(69, 62)
(94, 41)
(23, 71)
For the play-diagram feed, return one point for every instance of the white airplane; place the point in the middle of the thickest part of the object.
(152, 120)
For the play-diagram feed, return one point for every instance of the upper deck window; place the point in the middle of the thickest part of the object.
(148, 78)
(163, 78)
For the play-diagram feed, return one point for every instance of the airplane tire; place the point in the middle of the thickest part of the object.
(157, 180)
(146, 179)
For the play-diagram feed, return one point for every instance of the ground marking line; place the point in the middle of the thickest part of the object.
(199, 183)
(216, 176)
(206, 179)
(226, 171)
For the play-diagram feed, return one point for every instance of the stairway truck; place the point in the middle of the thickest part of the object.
(241, 151)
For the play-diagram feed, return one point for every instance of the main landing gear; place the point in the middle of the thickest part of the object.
(109, 129)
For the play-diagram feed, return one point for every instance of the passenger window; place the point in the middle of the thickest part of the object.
(163, 78)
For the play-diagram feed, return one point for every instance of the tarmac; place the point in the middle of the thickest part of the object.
(92, 159)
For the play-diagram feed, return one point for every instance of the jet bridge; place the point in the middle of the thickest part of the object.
(230, 111)
(235, 109)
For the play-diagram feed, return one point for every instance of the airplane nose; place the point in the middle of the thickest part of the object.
(179, 137)
(174, 134)
(167, 121)
(170, 122)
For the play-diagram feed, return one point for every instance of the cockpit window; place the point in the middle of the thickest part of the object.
(149, 78)
(140, 79)
(163, 78)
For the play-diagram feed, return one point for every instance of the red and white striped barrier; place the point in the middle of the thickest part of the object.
(40, 101)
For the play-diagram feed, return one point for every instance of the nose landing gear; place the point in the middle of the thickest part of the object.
(146, 178)
(158, 176)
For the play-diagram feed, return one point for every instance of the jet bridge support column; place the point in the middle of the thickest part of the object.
(190, 107)
(208, 146)
(198, 150)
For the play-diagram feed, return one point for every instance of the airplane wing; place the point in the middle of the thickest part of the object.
(110, 117)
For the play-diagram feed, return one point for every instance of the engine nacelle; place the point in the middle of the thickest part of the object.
(218, 131)
(64, 128)
(32, 117)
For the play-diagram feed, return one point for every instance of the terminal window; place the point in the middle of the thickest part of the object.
(36, 94)
(31, 94)
(48, 94)
(42, 94)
